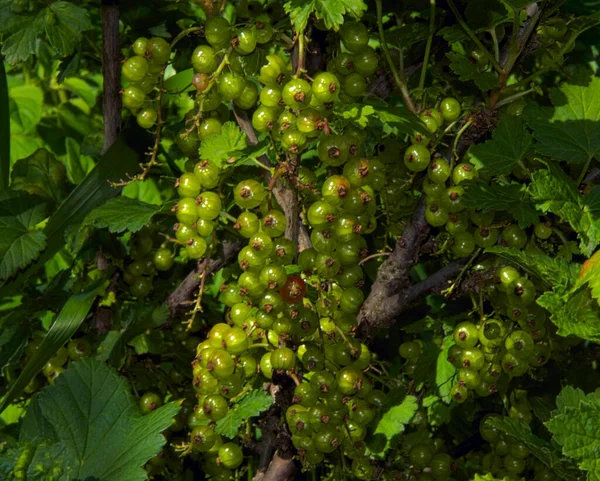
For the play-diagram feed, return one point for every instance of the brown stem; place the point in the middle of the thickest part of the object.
(286, 194)
(281, 468)
(111, 71)
(184, 292)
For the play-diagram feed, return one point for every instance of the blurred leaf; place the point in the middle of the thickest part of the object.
(179, 81)
(61, 22)
(40, 174)
(20, 243)
(66, 324)
(486, 15)
(78, 165)
(118, 161)
(14, 334)
(26, 107)
(4, 129)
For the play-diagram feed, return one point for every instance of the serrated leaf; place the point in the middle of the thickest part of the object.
(394, 420)
(509, 144)
(539, 448)
(445, 370)
(121, 214)
(40, 174)
(576, 427)
(466, 71)
(224, 146)
(553, 191)
(453, 33)
(554, 272)
(406, 35)
(98, 423)
(574, 313)
(254, 403)
(20, 243)
(512, 198)
(569, 131)
(397, 120)
(61, 22)
(330, 11)
(590, 275)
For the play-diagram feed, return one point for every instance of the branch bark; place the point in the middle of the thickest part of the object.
(281, 468)
(285, 194)
(392, 292)
(111, 71)
(184, 292)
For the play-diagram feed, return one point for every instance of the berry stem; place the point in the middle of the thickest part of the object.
(427, 47)
(183, 34)
(400, 82)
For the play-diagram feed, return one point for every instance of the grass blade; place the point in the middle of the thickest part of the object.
(66, 324)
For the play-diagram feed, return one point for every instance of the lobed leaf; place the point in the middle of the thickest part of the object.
(506, 150)
(254, 403)
(224, 146)
(121, 214)
(394, 420)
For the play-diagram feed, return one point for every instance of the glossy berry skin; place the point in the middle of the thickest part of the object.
(293, 290)
(133, 98)
(188, 186)
(158, 50)
(245, 41)
(466, 335)
(163, 259)
(417, 158)
(249, 194)
(264, 118)
(146, 118)
(204, 59)
(217, 31)
(231, 85)
(354, 85)
(247, 99)
(366, 62)
(450, 109)
(149, 402)
(230, 455)
(270, 95)
(296, 93)
(283, 359)
(542, 230)
(79, 348)
(514, 236)
(135, 68)
(355, 36)
(326, 87)
(195, 247)
(463, 244)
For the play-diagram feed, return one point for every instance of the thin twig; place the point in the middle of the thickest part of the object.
(427, 47)
(400, 82)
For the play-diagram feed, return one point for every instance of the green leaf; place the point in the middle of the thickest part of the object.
(485, 15)
(20, 243)
(570, 131)
(512, 198)
(576, 427)
(574, 313)
(509, 144)
(330, 11)
(406, 35)
(466, 71)
(489, 477)
(14, 334)
(78, 165)
(538, 447)
(121, 214)
(224, 146)
(555, 192)
(517, 4)
(590, 275)
(395, 419)
(25, 107)
(554, 272)
(66, 324)
(61, 22)
(4, 129)
(40, 174)
(254, 403)
(445, 370)
(393, 119)
(179, 81)
(116, 163)
(98, 424)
